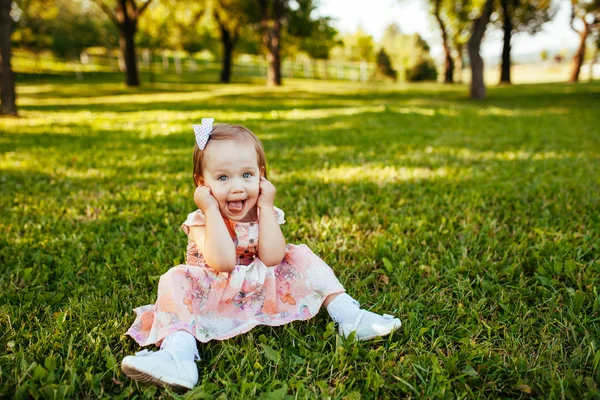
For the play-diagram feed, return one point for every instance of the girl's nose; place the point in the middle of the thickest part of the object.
(236, 186)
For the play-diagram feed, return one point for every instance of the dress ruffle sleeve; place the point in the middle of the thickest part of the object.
(195, 218)
(280, 216)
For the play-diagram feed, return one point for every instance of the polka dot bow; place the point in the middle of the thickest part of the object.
(203, 132)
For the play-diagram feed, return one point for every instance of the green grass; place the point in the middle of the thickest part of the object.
(477, 223)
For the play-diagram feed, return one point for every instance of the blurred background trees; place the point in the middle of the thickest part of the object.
(8, 105)
(276, 31)
(479, 26)
(125, 15)
(585, 20)
(409, 53)
(520, 16)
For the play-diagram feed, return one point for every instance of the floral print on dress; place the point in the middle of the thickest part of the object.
(219, 305)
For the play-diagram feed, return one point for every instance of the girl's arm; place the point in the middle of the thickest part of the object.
(271, 243)
(213, 239)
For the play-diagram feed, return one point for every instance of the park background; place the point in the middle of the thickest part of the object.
(473, 216)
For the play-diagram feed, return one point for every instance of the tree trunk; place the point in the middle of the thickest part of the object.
(271, 35)
(7, 89)
(227, 58)
(127, 30)
(228, 41)
(125, 16)
(478, 30)
(579, 56)
(507, 27)
(271, 39)
(448, 61)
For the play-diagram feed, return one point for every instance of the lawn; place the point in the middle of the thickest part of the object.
(477, 223)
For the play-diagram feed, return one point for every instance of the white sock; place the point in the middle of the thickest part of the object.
(180, 343)
(343, 309)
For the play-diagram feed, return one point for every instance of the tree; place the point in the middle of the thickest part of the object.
(31, 31)
(125, 15)
(273, 16)
(448, 61)
(232, 16)
(458, 21)
(384, 65)
(177, 25)
(587, 12)
(409, 54)
(594, 56)
(81, 17)
(521, 16)
(359, 46)
(318, 44)
(323, 38)
(49, 25)
(8, 95)
(157, 30)
(477, 32)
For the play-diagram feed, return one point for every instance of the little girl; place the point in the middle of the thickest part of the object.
(239, 272)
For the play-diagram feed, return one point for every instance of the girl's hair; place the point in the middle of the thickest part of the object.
(229, 132)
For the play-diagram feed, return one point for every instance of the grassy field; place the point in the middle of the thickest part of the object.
(477, 223)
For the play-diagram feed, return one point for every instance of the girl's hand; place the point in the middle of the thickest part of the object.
(266, 198)
(204, 199)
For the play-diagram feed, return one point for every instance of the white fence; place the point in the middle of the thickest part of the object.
(168, 64)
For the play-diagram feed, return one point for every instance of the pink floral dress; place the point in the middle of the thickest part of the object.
(219, 305)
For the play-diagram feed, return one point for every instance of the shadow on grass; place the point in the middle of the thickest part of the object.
(487, 221)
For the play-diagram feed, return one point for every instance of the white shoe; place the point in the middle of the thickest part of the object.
(145, 367)
(381, 326)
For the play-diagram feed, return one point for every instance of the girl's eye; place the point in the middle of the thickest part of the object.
(222, 178)
(246, 175)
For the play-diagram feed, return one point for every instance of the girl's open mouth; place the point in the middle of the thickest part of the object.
(236, 206)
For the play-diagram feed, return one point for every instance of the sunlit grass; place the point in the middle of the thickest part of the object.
(374, 174)
(476, 223)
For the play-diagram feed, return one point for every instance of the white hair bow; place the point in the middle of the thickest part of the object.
(203, 131)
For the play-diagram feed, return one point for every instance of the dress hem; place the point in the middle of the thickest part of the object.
(237, 332)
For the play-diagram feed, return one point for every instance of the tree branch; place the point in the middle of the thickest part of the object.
(595, 23)
(107, 11)
(217, 18)
(140, 10)
(198, 14)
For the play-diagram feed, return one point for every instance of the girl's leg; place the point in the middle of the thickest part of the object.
(330, 298)
(180, 344)
(173, 365)
(346, 312)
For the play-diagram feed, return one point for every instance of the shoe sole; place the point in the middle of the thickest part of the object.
(364, 338)
(145, 377)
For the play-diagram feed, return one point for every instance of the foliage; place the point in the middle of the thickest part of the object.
(409, 53)
(179, 26)
(322, 39)
(298, 17)
(458, 17)
(528, 15)
(476, 223)
(357, 46)
(423, 70)
(588, 10)
(586, 15)
(384, 65)
(51, 24)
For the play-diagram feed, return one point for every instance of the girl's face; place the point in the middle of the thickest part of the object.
(232, 173)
